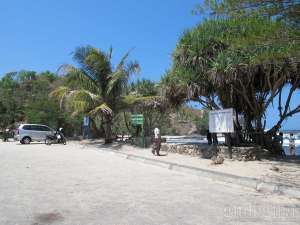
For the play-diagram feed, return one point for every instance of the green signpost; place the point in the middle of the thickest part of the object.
(138, 133)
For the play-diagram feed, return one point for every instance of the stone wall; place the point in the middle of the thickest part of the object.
(207, 151)
(200, 150)
(241, 153)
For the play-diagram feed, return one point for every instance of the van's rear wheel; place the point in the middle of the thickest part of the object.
(48, 141)
(26, 140)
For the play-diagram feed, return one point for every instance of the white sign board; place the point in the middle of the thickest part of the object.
(86, 121)
(221, 121)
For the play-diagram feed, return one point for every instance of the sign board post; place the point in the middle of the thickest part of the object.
(137, 121)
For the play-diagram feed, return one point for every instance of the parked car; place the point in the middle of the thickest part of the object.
(27, 133)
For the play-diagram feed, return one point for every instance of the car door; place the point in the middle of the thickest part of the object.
(26, 131)
(37, 132)
(46, 131)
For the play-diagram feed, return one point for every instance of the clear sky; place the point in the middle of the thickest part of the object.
(41, 34)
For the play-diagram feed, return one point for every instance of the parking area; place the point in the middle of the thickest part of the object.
(72, 185)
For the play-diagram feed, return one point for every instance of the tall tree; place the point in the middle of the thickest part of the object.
(24, 98)
(95, 86)
(10, 110)
(145, 98)
(238, 63)
(287, 11)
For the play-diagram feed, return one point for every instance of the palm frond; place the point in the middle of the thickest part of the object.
(135, 100)
(133, 67)
(60, 94)
(122, 73)
(79, 106)
(115, 78)
(93, 62)
(78, 77)
(103, 109)
(98, 64)
(123, 60)
(85, 95)
(80, 54)
(110, 52)
(76, 100)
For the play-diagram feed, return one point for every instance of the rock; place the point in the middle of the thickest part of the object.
(216, 160)
(274, 168)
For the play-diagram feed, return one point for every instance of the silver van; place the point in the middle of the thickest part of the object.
(27, 133)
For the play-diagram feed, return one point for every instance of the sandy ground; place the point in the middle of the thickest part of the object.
(78, 185)
(287, 173)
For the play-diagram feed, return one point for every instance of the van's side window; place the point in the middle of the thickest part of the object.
(36, 128)
(27, 127)
(44, 128)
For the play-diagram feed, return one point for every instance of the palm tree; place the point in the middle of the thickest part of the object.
(95, 87)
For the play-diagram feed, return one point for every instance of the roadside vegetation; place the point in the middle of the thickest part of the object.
(24, 97)
(241, 62)
(244, 56)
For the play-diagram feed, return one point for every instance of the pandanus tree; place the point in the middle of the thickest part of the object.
(95, 87)
(287, 11)
(243, 63)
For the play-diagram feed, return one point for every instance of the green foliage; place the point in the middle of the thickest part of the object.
(186, 113)
(10, 110)
(202, 123)
(95, 87)
(287, 11)
(144, 88)
(119, 123)
(223, 44)
(145, 99)
(239, 62)
(24, 98)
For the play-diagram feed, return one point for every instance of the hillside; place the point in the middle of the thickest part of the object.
(184, 122)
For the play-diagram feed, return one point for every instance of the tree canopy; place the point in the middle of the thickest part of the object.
(24, 98)
(287, 11)
(236, 62)
(95, 87)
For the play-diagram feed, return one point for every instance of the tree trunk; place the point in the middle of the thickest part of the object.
(96, 132)
(126, 122)
(108, 132)
(229, 144)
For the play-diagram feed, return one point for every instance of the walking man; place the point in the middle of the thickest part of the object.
(278, 144)
(5, 135)
(292, 145)
(157, 142)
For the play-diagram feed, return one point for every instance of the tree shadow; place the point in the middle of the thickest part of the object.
(116, 146)
(32, 143)
(286, 160)
(165, 154)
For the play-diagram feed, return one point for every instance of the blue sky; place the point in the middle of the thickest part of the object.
(41, 35)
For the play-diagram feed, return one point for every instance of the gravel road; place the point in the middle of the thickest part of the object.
(71, 185)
